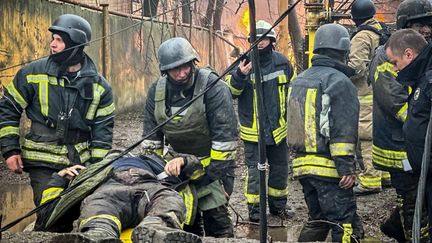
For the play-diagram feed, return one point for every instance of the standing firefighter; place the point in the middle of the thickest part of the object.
(276, 74)
(322, 130)
(206, 129)
(363, 44)
(390, 112)
(69, 104)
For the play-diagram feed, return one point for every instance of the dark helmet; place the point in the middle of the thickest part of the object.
(175, 52)
(332, 36)
(362, 9)
(77, 28)
(412, 10)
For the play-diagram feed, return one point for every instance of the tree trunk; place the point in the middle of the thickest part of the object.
(206, 20)
(282, 44)
(296, 38)
(150, 7)
(186, 11)
(218, 15)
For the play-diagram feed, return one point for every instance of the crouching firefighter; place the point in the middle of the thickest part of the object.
(323, 113)
(125, 194)
(206, 129)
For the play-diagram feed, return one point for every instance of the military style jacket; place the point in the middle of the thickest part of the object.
(47, 99)
(206, 129)
(276, 74)
(417, 75)
(323, 120)
(390, 105)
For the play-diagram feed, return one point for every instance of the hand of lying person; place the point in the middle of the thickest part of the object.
(347, 181)
(173, 167)
(70, 172)
(14, 163)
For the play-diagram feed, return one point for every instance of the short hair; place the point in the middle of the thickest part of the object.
(402, 39)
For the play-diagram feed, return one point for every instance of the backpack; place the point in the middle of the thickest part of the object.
(384, 33)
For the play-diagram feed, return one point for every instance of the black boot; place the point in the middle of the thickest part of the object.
(392, 227)
(254, 212)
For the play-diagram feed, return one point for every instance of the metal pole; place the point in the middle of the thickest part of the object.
(262, 164)
(105, 33)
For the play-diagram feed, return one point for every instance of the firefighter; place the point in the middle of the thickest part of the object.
(390, 112)
(276, 73)
(124, 194)
(363, 44)
(206, 129)
(69, 104)
(409, 53)
(323, 115)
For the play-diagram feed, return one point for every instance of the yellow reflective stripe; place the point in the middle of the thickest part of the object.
(294, 75)
(342, 149)
(402, 113)
(314, 165)
(384, 67)
(282, 99)
(16, 95)
(105, 111)
(280, 133)
(390, 154)
(273, 192)
(98, 153)
(385, 162)
(348, 231)
(248, 134)
(42, 81)
(50, 193)
(366, 99)
(97, 93)
(46, 157)
(205, 161)
(370, 182)
(188, 199)
(385, 176)
(9, 130)
(310, 121)
(234, 91)
(222, 155)
(197, 174)
(250, 198)
(103, 216)
(56, 149)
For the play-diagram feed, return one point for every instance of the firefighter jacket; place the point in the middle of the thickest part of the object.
(363, 46)
(47, 99)
(390, 112)
(276, 73)
(323, 120)
(206, 129)
(417, 75)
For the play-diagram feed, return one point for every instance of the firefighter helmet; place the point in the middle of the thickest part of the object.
(412, 10)
(77, 28)
(175, 52)
(362, 9)
(332, 36)
(262, 27)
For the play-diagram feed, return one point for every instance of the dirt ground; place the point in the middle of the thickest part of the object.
(373, 208)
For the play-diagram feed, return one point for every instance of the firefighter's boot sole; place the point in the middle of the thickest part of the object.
(81, 238)
(144, 234)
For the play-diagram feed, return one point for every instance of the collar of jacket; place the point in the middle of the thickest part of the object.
(417, 68)
(371, 22)
(88, 68)
(325, 61)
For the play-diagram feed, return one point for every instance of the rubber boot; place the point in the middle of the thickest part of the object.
(393, 228)
(254, 212)
(314, 231)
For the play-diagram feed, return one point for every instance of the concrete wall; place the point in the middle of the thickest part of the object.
(133, 64)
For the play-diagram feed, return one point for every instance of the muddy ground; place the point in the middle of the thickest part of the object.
(373, 208)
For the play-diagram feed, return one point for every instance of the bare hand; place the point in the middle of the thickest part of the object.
(14, 163)
(347, 181)
(245, 68)
(70, 172)
(173, 167)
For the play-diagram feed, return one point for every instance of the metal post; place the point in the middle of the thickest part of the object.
(262, 164)
(105, 44)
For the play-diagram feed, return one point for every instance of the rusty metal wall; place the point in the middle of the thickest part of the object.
(133, 64)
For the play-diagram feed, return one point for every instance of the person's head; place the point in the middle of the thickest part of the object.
(417, 15)
(362, 10)
(403, 47)
(332, 40)
(261, 28)
(68, 31)
(177, 60)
